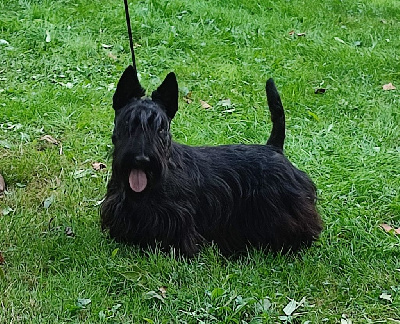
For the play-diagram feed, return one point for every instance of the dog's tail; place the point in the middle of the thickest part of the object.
(277, 136)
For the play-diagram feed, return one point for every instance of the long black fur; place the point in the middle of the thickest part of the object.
(234, 195)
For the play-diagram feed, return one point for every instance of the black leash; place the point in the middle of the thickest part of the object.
(128, 24)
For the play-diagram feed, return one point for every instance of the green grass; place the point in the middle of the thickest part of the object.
(347, 139)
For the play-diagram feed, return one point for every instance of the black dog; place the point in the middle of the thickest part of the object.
(182, 196)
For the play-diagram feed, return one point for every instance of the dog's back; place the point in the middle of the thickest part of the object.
(246, 195)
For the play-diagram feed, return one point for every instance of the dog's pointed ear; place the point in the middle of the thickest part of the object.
(166, 95)
(128, 87)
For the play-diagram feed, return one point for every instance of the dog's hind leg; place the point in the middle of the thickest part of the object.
(277, 136)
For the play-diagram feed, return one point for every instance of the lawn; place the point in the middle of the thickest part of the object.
(59, 64)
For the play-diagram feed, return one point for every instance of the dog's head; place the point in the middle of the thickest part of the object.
(141, 136)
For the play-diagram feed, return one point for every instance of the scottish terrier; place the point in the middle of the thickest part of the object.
(173, 195)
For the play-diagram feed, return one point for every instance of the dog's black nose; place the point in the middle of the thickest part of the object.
(142, 158)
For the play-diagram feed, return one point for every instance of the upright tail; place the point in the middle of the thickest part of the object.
(277, 136)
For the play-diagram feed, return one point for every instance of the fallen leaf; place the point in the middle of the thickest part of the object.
(345, 319)
(290, 307)
(112, 56)
(82, 302)
(5, 144)
(263, 305)
(73, 309)
(2, 261)
(388, 86)
(187, 97)
(132, 275)
(81, 173)
(7, 211)
(217, 292)
(291, 32)
(98, 166)
(152, 294)
(205, 105)
(228, 110)
(49, 139)
(32, 302)
(2, 184)
(48, 37)
(340, 40)
(114, 253)
(48, 201)
(386, 227)
(135, 274)
(313, 115)
(386, 296)
(187, 100)
(69, 232)
(389, 228)
(225, 103)
(163, 291)
(320, 91)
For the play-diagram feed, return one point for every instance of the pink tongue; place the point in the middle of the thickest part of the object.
(137, 180)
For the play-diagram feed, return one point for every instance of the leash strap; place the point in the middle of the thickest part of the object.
(128, 24)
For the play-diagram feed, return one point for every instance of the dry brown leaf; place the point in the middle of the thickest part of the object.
(388, 86)
(98, 166)
(49, 139)
(2, 261)
(291, 32)
(112, 56)
(389, 228)
(386, 227)
(2, 184)
(163, 291)
(188, 98)
(205, 105)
